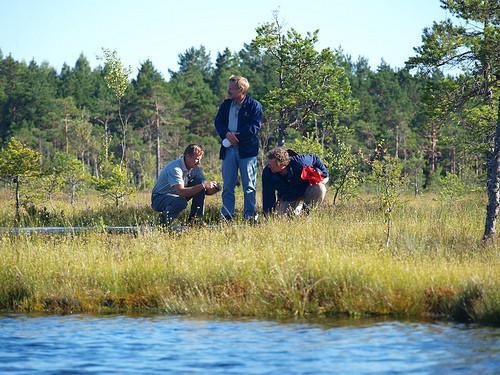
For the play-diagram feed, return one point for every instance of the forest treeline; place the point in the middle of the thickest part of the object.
(75, 112)
(435, 122)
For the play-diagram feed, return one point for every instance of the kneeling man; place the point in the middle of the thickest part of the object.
(180, 181)
(290, 181)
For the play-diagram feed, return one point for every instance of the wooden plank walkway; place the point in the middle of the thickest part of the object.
(62, 230)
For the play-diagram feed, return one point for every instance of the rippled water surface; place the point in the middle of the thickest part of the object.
(165, 344)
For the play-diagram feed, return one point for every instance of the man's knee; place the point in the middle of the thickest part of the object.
(178, 204)
(172, 209)
(315, 193)
(292, 208)
(195, 181)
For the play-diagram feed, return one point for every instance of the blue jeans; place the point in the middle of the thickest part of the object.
(248, 172)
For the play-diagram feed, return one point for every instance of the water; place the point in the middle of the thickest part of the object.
(169, 344)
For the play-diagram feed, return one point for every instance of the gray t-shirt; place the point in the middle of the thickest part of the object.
(175, 173)
(233, 116)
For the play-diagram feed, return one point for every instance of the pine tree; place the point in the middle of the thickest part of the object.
(471, 47)
(312, 86)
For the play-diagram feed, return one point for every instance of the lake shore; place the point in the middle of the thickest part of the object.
(333, 262)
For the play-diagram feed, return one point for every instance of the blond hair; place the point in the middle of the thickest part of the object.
(241, 83)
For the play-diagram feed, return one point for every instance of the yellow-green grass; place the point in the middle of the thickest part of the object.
(333, 262)
(90, 209)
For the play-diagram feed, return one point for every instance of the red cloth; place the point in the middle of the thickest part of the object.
(311, 175)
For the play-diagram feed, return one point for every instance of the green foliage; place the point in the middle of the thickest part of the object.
(312, 86)
(69, 173)
(18, 161)
(452, 186)
(192, 86)
(226, 64)
(95, 115)
(413, 169)
(343, 165)
(471, 47)
(117, 80)
(310, 145)
(195, 59)
(478, 129)
(387, 173)
(117, 76)
(113, 183)
(345, 168)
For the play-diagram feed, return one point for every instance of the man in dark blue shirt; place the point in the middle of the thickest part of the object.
(283, 188)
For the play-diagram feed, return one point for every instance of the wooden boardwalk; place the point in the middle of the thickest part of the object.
(62, 230)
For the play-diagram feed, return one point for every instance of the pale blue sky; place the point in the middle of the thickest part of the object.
(57, 31)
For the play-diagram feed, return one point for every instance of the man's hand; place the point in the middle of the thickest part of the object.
(211, 187)
(231, 136)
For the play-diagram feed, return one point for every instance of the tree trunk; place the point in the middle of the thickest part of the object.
(453, 161)
(66, 133)
(17, 217)
(281, 129)
(417, 192)
(281, 124)
(335, 196)
(106, 140)
(388, 232)
(40, 148)
(73, 191)
(433, 147)
(157, 139)
(396, 152)
(124, 134)
(96, 166)
(323, 136)
(493, 185)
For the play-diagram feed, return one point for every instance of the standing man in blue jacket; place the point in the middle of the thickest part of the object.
(285, 185)
(238, 123)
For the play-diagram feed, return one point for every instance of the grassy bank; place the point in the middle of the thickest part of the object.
(333, 262)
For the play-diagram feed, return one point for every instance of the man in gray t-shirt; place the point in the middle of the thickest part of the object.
(180, 181)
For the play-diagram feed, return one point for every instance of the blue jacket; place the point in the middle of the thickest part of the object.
(289, 187)
(249, 124)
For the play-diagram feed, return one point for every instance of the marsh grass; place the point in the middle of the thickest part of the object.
(332, 263)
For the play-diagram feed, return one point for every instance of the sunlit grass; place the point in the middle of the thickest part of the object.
(332, 262)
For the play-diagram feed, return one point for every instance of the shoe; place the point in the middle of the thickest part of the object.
(252, 220)
(165, 218)
(226, 219)
(196, 221)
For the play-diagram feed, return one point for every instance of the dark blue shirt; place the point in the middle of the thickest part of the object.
(249, 124)
(289, 187)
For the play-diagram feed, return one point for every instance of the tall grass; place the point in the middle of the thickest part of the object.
(333, 262)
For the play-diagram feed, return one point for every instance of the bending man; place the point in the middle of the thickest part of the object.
(290, 181)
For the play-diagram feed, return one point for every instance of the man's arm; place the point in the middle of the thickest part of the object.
(268, 192)
(221, 121)
(319, 166)
(188, 192)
